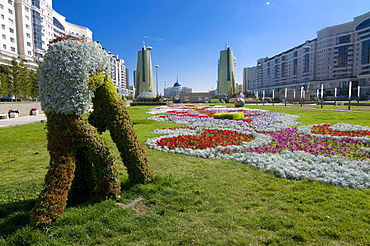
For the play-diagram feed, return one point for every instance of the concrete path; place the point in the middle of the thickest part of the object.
(22, 120)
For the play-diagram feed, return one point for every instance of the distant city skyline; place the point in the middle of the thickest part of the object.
(187, 36)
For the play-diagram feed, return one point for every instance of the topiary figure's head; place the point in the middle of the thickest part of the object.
(64, 75)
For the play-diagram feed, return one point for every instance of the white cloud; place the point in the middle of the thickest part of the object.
(158, 39)
(268, 3)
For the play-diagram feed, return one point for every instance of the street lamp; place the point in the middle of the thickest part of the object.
(322, 93)
(164, 86)
(156, 73)
(302, 87)
(358, 96)
(349, 94)
(285, 95)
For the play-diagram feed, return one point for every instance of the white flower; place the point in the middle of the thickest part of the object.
(64, 74)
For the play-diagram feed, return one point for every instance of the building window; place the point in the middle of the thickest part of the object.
(2, 17)
(11, 21)
(27, 26)
(12, 49)
(365, 52)
(26, 8)
(28, 35)
(4, 36)
(11, 30)
(27, 17)
(363, 25)
(10, 1)
(10, 11)
(29, 53)
(28, 44)
(3, 26)
(4, 46)
(12, 40)
(1, 6)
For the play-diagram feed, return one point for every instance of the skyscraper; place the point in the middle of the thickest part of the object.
(144, 73)
(226, 72)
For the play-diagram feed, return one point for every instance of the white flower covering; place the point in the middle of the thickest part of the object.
(64, 74)
(259, 140)
(346, 127)
(333, 170)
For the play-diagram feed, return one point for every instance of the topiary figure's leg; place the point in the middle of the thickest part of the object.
(53, 199)
(111, 114)
(72, 138)
(83, 185)
(94, 148)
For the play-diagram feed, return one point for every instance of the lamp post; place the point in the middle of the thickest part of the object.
(285, 95)
(349, 94)
(302, 95)
(335, 96)
(358, 96)
(317, 95)
(322, 93)
(156, 74)
(273, 96)
(164, 87)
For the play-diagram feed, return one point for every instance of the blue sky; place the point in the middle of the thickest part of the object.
(188, 35)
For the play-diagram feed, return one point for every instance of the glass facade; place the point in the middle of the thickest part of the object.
(363, 25)
(58, 24)
(365, 52)
(37, 29)
(36, 3)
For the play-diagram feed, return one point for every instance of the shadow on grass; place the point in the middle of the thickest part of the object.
(14, 216)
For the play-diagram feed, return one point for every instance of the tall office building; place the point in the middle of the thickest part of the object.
(226, 72)
(337, 55)
(26, 28)
(144, 80)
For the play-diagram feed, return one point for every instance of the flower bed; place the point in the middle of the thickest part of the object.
(337, 154)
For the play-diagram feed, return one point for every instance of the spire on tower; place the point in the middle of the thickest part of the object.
(227, 45)
(144, 45)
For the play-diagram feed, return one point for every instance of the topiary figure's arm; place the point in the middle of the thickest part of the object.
(111, 114)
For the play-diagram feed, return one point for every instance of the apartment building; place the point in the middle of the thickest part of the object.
(339, 54)
(120, 75)
(28, 25)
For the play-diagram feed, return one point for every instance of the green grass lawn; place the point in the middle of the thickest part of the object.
(192, 201)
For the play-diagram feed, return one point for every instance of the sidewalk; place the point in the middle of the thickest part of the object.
(22, 120)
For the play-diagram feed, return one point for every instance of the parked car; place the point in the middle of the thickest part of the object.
(9, 99)
(6, 99)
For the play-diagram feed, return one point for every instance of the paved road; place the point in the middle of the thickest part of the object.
(22, 120)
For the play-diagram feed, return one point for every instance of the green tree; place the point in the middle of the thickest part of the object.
(4, 90)
(18, 81)
(34, 86)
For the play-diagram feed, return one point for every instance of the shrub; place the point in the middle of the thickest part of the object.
(230, 116)
(147, 103)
